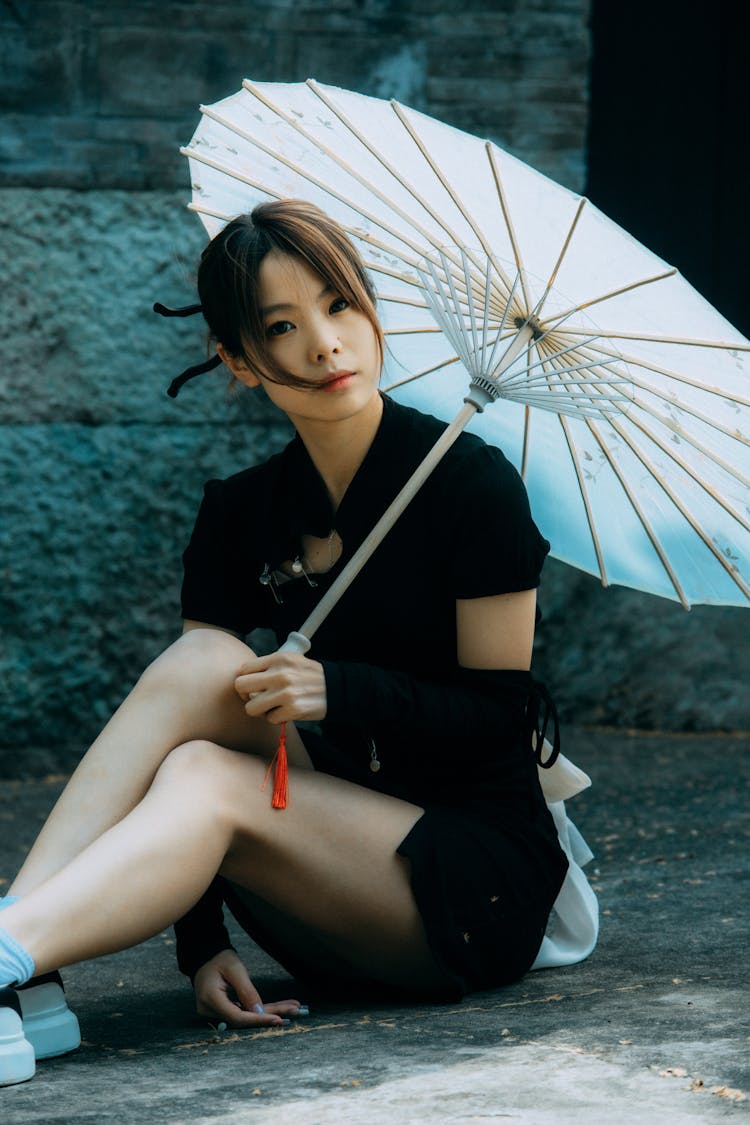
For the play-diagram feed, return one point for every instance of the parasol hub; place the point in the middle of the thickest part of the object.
(532, 322)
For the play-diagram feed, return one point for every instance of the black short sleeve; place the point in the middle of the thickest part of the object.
(215, 589)
(497, 548)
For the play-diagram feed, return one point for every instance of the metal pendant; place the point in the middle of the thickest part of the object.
(268, 580)
(374, 763)
(298, 567)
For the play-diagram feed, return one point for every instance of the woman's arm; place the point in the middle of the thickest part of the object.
(492, 690)
(496, 632)
(493, 634)
(488, 691)
(201, 934)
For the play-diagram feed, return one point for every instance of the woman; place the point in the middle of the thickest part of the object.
(416, 852)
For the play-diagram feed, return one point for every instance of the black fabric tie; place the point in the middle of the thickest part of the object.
(540, 711)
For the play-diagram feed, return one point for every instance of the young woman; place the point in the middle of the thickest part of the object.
(416, 852)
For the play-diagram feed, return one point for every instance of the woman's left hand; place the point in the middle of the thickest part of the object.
(282, 686)
(224, 991)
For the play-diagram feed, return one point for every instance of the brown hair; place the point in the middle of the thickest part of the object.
(228, 277)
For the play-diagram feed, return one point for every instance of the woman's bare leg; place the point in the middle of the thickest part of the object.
(186, 693)
(329, 860)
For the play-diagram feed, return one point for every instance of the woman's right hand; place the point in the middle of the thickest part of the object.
(224, 992)
(282, 687)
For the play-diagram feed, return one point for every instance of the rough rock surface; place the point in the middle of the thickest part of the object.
(100, 472)
(616, 657)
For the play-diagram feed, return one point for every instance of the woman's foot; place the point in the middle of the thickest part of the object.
(48, 1023)
(17, 1061)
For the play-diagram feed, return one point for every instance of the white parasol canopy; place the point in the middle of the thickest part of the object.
(624, 396)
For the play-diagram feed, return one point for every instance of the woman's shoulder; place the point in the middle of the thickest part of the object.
(421, 429)
(471, 473)
(245, 485)
(469, 460)
(477, 498)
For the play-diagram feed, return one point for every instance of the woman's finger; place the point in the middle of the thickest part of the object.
(220, 1009)
(289, 1008)
(257, 664)
(265, 706)
(247, 994)
(238, 1017)
(248, 1001)
(252, 683)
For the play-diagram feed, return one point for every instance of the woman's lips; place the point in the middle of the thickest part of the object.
(337, 381)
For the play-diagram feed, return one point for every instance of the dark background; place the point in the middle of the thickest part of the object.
(668, 153)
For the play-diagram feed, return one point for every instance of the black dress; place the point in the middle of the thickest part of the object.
(486, 865)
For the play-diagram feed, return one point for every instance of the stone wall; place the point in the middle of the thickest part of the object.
(102, 94)
(100, 473)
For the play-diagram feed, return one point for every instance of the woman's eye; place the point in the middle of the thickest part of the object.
(279, 328)
(339, 305)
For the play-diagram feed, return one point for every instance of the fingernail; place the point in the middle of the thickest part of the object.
(259, 1009)
(284, 1023)
(222, 1027)
(303, 1010)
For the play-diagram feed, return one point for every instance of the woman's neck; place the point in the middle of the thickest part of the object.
(337, 449)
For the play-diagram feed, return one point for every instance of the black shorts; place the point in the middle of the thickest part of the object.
(484, 881)
(484, 893)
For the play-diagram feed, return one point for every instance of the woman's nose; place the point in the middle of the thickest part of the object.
(324, 344)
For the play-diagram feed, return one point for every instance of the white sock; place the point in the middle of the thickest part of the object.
(16, 963)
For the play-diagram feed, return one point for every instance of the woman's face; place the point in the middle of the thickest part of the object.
(313, 333)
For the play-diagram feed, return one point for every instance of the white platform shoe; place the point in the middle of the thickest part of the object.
(35, 1023)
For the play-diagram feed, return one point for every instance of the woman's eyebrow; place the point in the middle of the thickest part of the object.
(267, 309)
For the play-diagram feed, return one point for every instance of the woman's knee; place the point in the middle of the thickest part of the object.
(198, 764)
(218, 772)
(203, 658)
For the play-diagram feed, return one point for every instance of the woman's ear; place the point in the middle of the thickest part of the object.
(238, 367)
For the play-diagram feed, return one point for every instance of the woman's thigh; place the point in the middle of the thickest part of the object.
(329, 860)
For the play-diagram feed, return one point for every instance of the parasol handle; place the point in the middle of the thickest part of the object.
(300, 641)
(296, 642)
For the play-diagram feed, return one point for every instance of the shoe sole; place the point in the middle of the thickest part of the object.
(16, 1052)
(48, 1023)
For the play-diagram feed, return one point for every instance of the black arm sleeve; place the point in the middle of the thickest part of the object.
(201, 933)
(475, 702)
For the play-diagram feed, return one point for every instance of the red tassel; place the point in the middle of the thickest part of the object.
(280, 766)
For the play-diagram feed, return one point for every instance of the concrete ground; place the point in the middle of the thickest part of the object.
(653, 1028)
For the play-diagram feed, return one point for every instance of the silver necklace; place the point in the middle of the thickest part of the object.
(302, 565)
